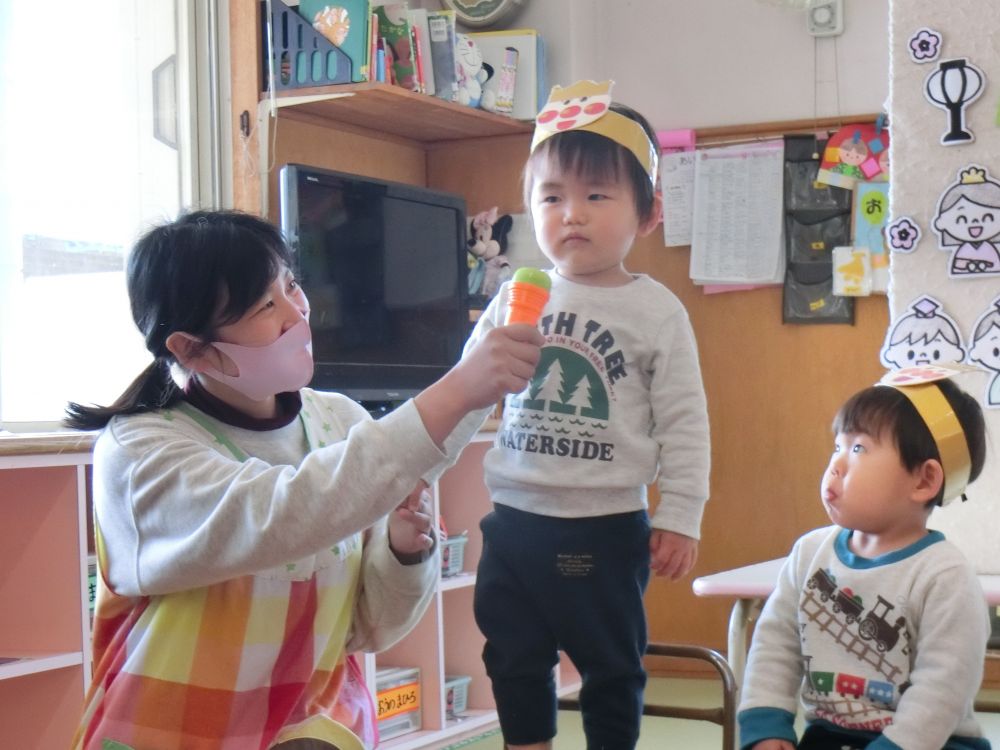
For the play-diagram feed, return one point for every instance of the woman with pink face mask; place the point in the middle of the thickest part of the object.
(252, 534)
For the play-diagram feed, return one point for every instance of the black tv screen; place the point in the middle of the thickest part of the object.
(384, 267)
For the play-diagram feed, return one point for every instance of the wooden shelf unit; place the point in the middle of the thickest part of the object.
(385, 132)
(447, 641)
(391, 110)
(44, 602)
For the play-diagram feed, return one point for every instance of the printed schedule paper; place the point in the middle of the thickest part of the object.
(677, 186)
(736, 237)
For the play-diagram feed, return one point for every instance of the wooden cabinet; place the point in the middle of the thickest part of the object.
(44, 601)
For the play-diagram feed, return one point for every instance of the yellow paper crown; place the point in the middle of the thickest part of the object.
(585, 106)
(919, 385)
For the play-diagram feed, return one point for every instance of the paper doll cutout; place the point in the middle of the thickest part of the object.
(925, 46)
(855, 152)
(968, 219)
(904, 234)
(985, 351)
(953, 87)
(924, 336)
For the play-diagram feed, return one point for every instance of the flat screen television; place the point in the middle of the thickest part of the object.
(384, 267)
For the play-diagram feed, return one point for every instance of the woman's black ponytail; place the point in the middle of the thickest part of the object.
(153, 389)
(178, 274)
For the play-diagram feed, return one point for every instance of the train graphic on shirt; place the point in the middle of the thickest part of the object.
(873, 625)
(850, 686)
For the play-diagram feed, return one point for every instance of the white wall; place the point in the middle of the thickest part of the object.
(702, 63)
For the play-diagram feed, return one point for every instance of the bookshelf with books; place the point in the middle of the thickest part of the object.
(44, 601)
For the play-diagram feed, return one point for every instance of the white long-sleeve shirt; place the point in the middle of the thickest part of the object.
(246, 565)
(891, 645)
(617, 402)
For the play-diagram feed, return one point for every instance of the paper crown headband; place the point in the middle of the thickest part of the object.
(585, 105)
(918, 384)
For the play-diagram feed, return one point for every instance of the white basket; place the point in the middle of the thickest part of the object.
(453, 554)
(456, 693)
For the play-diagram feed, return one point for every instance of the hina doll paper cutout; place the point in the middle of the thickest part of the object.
(953, 86)
(967, 222)
(853, 153)
(923, 336)
(925, 46)
(985, 351)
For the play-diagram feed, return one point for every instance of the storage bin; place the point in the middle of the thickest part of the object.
(453, 554)
(397, 700)
(456, 693)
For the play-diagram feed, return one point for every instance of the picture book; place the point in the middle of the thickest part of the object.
(394, 28)
(441, 25)
(345, 24)
(422, 49)
(530, 91)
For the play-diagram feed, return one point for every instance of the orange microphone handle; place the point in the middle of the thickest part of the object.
(526, 303)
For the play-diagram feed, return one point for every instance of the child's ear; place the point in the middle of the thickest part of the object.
(929, 478)
(654, 216)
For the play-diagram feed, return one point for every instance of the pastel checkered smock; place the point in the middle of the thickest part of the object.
(205, 636)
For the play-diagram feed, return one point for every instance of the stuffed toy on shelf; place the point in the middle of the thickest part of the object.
(472, 74)
(488, 264)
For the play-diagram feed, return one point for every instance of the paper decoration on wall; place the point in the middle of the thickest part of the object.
(904, 234)
(871, 210)
(925, 46)
(924, 336)
(968, 220)
(852, 272)
(985, 350)
(853, 153)
(953, 87)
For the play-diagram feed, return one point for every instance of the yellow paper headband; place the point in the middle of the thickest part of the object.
(940, 418)
(585, 106)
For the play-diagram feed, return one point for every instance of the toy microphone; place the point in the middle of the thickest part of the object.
(529, 291)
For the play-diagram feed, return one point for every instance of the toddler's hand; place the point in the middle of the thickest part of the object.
(410, 523)
(673, 555)
(501, 362)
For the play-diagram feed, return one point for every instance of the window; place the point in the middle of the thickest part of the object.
(98, 113)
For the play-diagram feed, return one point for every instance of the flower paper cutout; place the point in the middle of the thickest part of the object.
(925, 46)
(904, 234)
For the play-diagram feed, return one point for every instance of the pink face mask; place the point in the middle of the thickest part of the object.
(283, 365)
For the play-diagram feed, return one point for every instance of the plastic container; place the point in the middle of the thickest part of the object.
(397, 700)
(453, 554)
(456, 693)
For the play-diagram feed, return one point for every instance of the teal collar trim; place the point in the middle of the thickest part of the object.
(857, 562)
